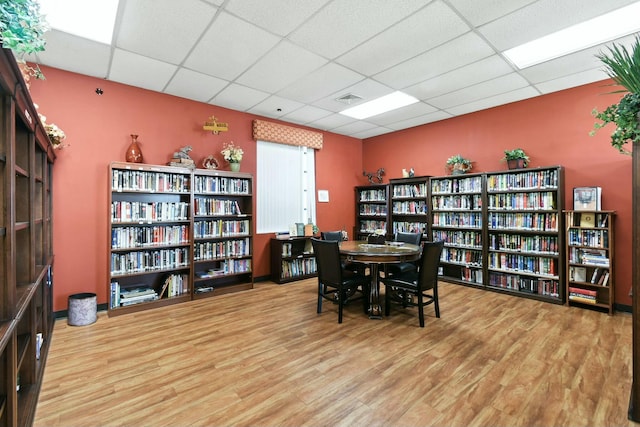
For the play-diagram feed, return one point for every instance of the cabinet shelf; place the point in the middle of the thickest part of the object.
(292, 259)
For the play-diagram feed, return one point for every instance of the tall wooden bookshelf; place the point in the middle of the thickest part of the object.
(372, 210)
(150, 236)
(457, 219)
(409, 205)
(26, 280)
(223, 230)
(590, 259)
(525, 234)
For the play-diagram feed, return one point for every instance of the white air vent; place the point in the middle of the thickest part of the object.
(348, 98)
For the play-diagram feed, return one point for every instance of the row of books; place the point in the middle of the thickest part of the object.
(520, 243)
(141, 236)
(151, 260)
(470, 239)
(152, 182)
(123, 211)
(457, 219)
(597, 257)
(221, 185)
(298, 267)
(547, 287)
(594, 238)
(534, 221)
(221, 228)
(588, 219)
(413, 207)
(131, 295)
(457, 185)
(370, 225)
(407, 227)
(543, 200)
(377, 195)
(465, 201)
(523, 263)
(462, 256)
(206, 206)
(410, 190)
(599, 276)
(224, 249)
(374, 210)
(523, 180)
(471, 275)
(585, 296)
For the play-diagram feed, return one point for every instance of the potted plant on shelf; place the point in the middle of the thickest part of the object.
(458, 164)
(232, 154)
(22, 29)
(516, 158)
(623, 66)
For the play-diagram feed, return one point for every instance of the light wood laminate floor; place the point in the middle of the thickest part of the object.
(265, 358)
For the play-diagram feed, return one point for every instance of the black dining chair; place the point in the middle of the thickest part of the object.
(336, 236)
(335, 283)
(404, 267)
(416, 288)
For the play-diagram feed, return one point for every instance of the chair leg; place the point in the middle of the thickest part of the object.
(365, 299)
(421, 309)
(435, 300)
(320, 288)
(342, 295)
(387, 301)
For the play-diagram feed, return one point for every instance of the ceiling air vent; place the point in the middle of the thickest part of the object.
(349, 98)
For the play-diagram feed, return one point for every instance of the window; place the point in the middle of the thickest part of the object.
(286, 186)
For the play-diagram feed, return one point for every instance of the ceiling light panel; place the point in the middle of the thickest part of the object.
(93, 20)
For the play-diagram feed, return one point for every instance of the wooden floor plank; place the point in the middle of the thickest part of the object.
(264, 357)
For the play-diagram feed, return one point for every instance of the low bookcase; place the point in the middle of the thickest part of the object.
(590, 259)
(292, 259)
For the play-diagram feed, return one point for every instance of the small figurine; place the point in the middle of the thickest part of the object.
(378, 175)
(182, 159)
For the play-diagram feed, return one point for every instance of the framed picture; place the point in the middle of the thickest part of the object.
(587, 198)
(323, 196)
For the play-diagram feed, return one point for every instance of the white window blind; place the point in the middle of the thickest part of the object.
(286, 186)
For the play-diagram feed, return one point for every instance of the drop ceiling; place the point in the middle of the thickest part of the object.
(293, 60)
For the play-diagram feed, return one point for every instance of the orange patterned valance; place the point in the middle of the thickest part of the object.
(274, 132)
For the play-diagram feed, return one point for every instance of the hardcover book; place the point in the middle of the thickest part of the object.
(587, 198)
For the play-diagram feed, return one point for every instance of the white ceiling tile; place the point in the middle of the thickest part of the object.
(332, 121)
(366, 89)
(449, 56)
(494, 101)
(404, 113)
(482, 90)
(268, 14)
(354, 127)
(238, 97)
(275, 106)
(175, 26)
(543, 17)
(306, 114)
(135, 70)
(285, 64)
(376, 131)
(485, 69)
(422, 31)
(76, 54)
(229, 47)
(417, 121)
(329, 78)
(197, 86)
(572, 80)
(481, 12)
(343, 24)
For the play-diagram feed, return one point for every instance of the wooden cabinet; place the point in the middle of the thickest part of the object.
(292, 259)
(372, 210)
(590, 259)
(457, 219)
(26, 258)
(150, 236)
(409, 201)
(223, 232)
(525, 233)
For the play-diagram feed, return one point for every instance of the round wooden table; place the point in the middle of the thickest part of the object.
(374, 255)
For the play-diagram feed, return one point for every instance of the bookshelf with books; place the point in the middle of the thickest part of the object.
(372, 210)
(150, 235)
(457, 219)
(409, 200)
(524, 233)
(292, 259)
(26, 280)
(223, 232)
(590, 259)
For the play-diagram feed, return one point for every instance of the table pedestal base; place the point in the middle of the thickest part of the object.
(375, 310)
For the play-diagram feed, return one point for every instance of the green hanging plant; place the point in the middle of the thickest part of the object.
(22, 29)
(623, 66)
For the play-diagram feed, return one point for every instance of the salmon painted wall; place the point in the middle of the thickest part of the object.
(98, 129)
(552, 129)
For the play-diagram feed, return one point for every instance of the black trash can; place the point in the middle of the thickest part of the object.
(82, 309)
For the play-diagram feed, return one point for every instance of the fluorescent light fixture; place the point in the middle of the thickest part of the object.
(604, 28)
(93, 20)
(380, 105)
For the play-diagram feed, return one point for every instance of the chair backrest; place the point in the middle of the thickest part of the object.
(327, 253)
(335, 236)
(412, 238)
(429, 263)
